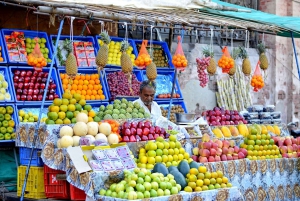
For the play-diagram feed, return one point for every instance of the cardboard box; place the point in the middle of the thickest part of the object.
(82, 62)
(90, 54)
(80, 54)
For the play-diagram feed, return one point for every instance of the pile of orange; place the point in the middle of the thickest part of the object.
(257, 82)
(226, 63)
(38, 62)
(87, 85)
(143, 60)
(179, 61)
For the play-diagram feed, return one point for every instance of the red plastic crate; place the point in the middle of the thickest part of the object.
(77, 194)
(55, 188)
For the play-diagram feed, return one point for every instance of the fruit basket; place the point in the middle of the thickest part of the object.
(84, 86)
(84, 50)
(6, 89)
(164, 83)
(113, 53)
(30, 112)
(16, 52)
(110, 84)
(4, 131)
(3, 58)
(28, 85)
(177, 107)
(161, 54)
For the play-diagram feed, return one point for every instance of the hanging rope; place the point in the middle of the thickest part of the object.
(211, 40)
(158, 34)
(151, 42)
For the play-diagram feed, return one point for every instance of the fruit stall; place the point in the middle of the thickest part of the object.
(68, 104)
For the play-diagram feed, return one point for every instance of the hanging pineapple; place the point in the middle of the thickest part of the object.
(102, 56)
(235, 53)
(71, 65)
(246, 66)
(126, 62)
(151, 71)
(212, 67)
(261, 48)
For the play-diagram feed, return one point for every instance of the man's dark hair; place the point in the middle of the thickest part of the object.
(149, 84)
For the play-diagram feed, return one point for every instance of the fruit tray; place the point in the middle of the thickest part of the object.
(164, 83)
(27, 34)
(36, 157)
(86, 71)
(33, 108)
(80, 50)
(2, 51)
(14, 117)
(56, 92)
(165, 54)
(165, 104)
(10, 90)
(117, 39)
(138, 75)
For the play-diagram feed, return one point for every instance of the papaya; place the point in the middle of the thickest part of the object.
(243, 130)
(171, 168)
(183, 167)
(276, 130)
(194, 164)
(226, 132)
(160, 168)
(234, 131)
(217, 132)
(179, 178)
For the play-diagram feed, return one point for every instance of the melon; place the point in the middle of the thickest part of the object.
(92, 128)
(80, 129)
(66, 130)
(113, 139)
(58, 144)
(105, 128)
(66, 141)
(76, 141)
(82, 117)
(101, 137)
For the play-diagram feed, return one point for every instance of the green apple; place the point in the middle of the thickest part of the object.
(147, 178)
(102, 192)
(132, 183)
(140, 195)
(141, 175)
(114, 194)
(160, 192)
(120, 194)
(140, 180)
(129, 189)
(174, 190)
(154, 185)
(132, 195)
(108, 193)
(153, 193)
(119, 187)
(140, 188)
(178, 187)
(113, 187)
(146, 194)
(147, 186)
(163, 185)
(167, 192)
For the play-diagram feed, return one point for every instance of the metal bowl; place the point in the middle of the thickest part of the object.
(184, 118)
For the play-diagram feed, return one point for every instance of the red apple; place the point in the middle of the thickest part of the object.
(236, 149)
(203, 159)
(211, 159)
(288, 141)
(212, 152)
(244, 151)
(219, 152)
(217, 158)
(195, 158)
(204, 152)
(226, 144)
(241, 155)
(223, 157)
(229, 157)
(214, 145)
(225, 150)
(230, 150)
(235, 156)
(207, 145)
(283, 149)
(290, 148)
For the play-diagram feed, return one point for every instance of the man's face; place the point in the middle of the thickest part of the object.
(147, 95)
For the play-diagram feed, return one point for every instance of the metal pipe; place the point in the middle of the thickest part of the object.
(295, 52)
(42, 107)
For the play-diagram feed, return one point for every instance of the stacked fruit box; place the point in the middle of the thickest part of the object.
(3, 58)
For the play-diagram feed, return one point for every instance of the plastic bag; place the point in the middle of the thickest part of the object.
(143, 58)
(257, 80)
(179, 60)
(226, 62)
(36, 58)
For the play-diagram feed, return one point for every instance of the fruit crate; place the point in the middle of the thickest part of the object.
(117, 39)
(138, 75)
(77, 194)
(10, 90)
(35, 182)
(27, 34)
(36, 157)
(164, 83)
(39, 101)
(87, 71)
(166, 53)
(54, 188)
(14, 117)
(83, 57)
(33, 108)
(165, 104)
(2, 51)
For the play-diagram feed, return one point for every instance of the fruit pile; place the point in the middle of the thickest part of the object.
(174, 109)
(202, 65)
(4, 93)
(217, 150)
(159, 57)
(27, 117)
(179, 61)
(30, 85)
(141, 131)
(260, 145)
(65, 110)
(114, 53)
(30, 44)
(122, 109)
(175, 95)
(87, 85)
(7, 124)
(161, 151)
(86, 133)
(219, 116)
(142, 184)
(289, 147)
(1, 58)
(143, 60)
(257, 82)
(119, 86)
(226, 62)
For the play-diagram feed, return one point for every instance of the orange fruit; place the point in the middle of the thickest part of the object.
(65, 86)
(73, 91)
(98, 97)
(83, 92)
(85, 82)
(75, 82)
(84, 87)
(80, 82)
(82, 77)
(100, 86)
(74, 86)
(83, 97)
(92, 82)
(65, 81)
(93, 77)
(94, 92)
(97, 81)
(89, 92)
(91, 87)
(93, 97)
(87, 97)
(77, 77)
(62, 76)
(91, 113)
(79, 87)
(100, 91)
(96, 87)
(87, 77)
(102, 97)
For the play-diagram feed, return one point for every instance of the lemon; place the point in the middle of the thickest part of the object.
(59, 121)
(192, 178)
(158, 159)
(151, 153)
(73, 101)
(149, 166)
(166, 145)
(192, 184)
(194, 171)
(176, 151)
(57, 101)
(151, 160)
(65, 101)
(172, 145)
(67, 95)
(61, 115)
(63, 108)
(165, 158)
(170, 158)
(82, 102)
(71, 107)
(180, 157)
(198, 189)
(188, 189)
(143, 159)
(199, 182)
(186, 155)
(75, 113)
(160, 145)
(54, 109)
(175, 157)
(171, 151)
(67, 121)
(172, 138)
(21, 113)
(77, 97)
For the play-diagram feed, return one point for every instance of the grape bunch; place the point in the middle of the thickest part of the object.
(202, 65)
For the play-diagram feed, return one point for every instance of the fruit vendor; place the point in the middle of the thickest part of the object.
(147, 93)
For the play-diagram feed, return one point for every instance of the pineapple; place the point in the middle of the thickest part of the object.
(102, 56)
(212, 67)
(126, 62)
(151, 71)
(261, 48)
(246, 66)
(71, 65)
(234, 55)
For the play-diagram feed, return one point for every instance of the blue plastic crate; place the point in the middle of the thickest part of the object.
(53, 76)
(25, 157)
(75, 39)
(34, 108)
(164, 83)
(165, 104)
(10, 89)
(14, 117)
(117, 39)
(27, 34)
(3, 53)
(137, 73)
(87, 71)
(166, 50)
